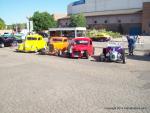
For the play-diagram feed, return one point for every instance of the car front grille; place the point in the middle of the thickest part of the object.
(77, 53)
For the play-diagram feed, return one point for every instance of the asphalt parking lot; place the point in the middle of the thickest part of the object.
(31, 83)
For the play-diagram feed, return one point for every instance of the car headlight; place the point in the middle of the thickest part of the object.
(82, 52)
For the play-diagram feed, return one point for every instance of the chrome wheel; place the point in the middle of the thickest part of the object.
(2, 45)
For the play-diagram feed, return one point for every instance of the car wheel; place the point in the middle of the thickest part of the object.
(86, 54)
(42, 51)
(59, 53)
(93, 50)
(68, 55)
(14, 44)
(51, 48)
(101, 40)
(102, 58)
(36, 50)
(2, 45)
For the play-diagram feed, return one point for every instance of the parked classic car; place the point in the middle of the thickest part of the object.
(33, 43)
(114, 52)
(57, 46)
(60, 44)
(81, 48)
(7, 40)
(103, 37)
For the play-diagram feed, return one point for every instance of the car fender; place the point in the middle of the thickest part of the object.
(20, 47)
(33, 48)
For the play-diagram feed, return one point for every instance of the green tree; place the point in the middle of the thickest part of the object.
(43, 21)
(14, 27)
(2, 24)
(78, 20)
(19, 26)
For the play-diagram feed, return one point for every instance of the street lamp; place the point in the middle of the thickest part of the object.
(28, 18)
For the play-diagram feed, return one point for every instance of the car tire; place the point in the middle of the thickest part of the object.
(93, 50)
(36, 50)
(68, 55)
(51, 48)
(14, 44)
(59, 53)
(102, 58)
(2, 45)
(42, 51)
(86, 54)
(101, 40)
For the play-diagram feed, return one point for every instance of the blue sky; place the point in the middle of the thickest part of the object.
(16, 11)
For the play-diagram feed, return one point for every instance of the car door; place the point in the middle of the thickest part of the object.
(41, 43)
(38, 45)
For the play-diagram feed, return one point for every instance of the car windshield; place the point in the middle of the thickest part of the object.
(81, 42)
(57, 40)
(31, 38)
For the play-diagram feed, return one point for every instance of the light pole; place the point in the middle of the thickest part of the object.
(28, 18)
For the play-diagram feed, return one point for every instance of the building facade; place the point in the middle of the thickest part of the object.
(124, 16)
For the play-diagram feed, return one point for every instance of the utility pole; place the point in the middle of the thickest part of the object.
(28, 18)
(29, 25)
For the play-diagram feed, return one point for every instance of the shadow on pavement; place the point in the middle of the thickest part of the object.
(139, 57)
(95, 58)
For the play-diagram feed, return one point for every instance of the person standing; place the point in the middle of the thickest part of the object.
(131, 43)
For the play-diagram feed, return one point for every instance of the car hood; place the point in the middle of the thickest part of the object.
(80, 47)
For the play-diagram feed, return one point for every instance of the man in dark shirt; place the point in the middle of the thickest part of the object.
(131, 43)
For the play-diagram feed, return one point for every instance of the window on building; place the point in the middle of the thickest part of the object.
(105, 21)
(66, 23)
(119, 21)
(95, 22)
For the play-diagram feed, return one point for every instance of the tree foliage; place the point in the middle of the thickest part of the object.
(78, 20)
(19, 26)
(2, 24)
(43, 21)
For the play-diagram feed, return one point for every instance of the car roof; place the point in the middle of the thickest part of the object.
(34, 35)
(82, 38)
(59, 37)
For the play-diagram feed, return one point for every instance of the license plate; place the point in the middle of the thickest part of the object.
(76, 56)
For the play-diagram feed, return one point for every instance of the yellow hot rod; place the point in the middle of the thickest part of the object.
(56, 46)
(32, 43)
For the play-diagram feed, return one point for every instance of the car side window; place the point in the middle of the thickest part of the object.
(39, 38)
